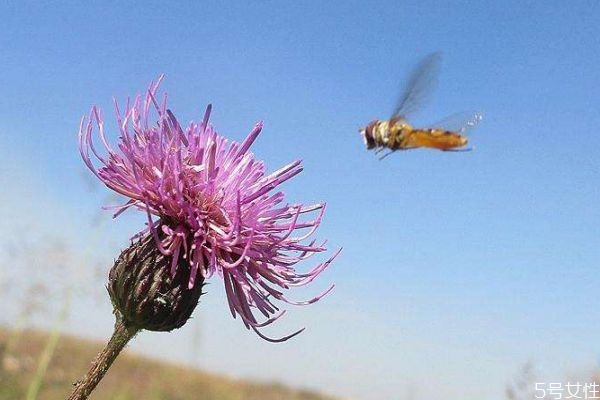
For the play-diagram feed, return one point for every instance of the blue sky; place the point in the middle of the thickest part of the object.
(457, 267)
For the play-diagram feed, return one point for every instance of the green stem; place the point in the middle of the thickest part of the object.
(48, 351)
(104, 360)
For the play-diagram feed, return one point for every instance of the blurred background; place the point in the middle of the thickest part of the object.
(457, 268)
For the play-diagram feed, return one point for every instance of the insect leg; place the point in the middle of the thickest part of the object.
(386, 154)
(458, 150)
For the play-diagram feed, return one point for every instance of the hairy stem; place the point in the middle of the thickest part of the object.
(122, 334)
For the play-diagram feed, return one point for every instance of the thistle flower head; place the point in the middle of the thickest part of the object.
(210, 205)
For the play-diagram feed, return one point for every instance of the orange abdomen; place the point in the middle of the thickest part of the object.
(436, 139)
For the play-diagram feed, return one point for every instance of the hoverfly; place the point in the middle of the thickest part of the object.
(397, 134)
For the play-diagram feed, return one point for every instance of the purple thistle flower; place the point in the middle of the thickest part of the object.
(214, 204)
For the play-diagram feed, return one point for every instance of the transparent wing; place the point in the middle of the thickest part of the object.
(461, 123)
(420, 85)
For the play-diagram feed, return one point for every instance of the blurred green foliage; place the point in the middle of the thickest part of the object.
(131, 377)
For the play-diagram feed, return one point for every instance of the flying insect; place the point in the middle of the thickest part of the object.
(396, 133)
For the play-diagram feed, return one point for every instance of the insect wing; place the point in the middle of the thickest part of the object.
(420, 85)
(462, 123)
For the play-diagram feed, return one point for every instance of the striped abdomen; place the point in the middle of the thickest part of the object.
(434, 138)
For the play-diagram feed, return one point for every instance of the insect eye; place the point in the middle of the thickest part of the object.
(368, 137)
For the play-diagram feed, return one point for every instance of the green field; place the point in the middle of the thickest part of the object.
(131, 377)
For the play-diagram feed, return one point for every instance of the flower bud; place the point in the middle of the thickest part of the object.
(144, 292)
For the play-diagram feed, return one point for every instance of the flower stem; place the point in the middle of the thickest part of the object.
(121, 335)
